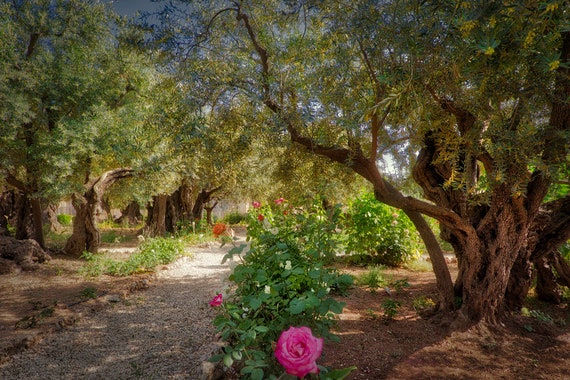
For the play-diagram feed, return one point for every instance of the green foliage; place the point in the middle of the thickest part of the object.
(373, 278)
(89, 293)
(538, 315)
(280, 282)
(391, 308)
(565, 250)
(234, 217)
(152, 252)
(423, 303)
(65, 219)
(378, 233)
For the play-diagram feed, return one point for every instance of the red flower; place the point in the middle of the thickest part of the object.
(279, 201)
(218, 229)
(217, 300)
(256, 204)
(260, 217)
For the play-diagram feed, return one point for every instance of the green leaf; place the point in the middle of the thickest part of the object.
(261, 329)
(337, 374)
(257, 374)
(216, 358)
(228, 361)
(297, 306)
(237, 355)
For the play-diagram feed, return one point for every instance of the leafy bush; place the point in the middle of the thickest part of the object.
(65, 219)
(152, 252)
(235, 217)
(377, 233)
(281, 281)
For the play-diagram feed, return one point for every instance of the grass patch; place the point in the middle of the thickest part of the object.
(419, 266)
(151, 253)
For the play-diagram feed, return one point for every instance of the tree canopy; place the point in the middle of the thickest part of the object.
(479, 89)
(455, 110)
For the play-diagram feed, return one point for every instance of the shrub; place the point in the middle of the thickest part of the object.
(65, 219)
(281, 281)
(377, 233)
(235, 217)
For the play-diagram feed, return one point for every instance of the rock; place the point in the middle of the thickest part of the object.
(8, 266)
(212, 371)
(25, 253)
(113, 298)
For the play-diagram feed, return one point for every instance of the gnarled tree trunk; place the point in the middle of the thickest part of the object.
(51, 217)
(86, 235)
(202, 199)
(130, 215)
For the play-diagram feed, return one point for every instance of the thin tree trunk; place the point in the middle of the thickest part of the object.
(444, 282)
(209, 211)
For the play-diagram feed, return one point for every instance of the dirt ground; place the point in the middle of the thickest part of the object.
(407, 346)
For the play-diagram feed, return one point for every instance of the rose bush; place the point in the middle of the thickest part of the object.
(281, 281)
(297, 350)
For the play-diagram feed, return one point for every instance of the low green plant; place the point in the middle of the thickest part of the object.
(89, 293)
(65, 219)
(152, 252)
(391, 308)
(380, 233)
(281, 281)
(538, 315)
(423, 303)
(398, 285)
(110, 236)
(373, 278)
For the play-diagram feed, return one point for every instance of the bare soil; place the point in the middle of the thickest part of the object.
(411, 345)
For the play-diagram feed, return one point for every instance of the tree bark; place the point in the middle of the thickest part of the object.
(203, 198)
(130, 215)
(86, 235)
(7, 210)
(156, 220)
(209, 210)
(443, 281)
(51, 217)
(24, 221)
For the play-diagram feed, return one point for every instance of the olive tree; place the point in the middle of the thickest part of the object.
(472, 96)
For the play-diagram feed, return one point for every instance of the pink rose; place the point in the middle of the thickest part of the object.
(217, 300)
(260, 217)
(279, 201)
(298, 350)
(256, 204)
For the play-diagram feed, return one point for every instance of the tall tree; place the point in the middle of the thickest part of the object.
(479, 89)
(58, 71)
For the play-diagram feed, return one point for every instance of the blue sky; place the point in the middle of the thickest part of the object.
(130, 7)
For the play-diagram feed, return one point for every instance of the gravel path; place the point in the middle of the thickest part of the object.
(165, 332)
